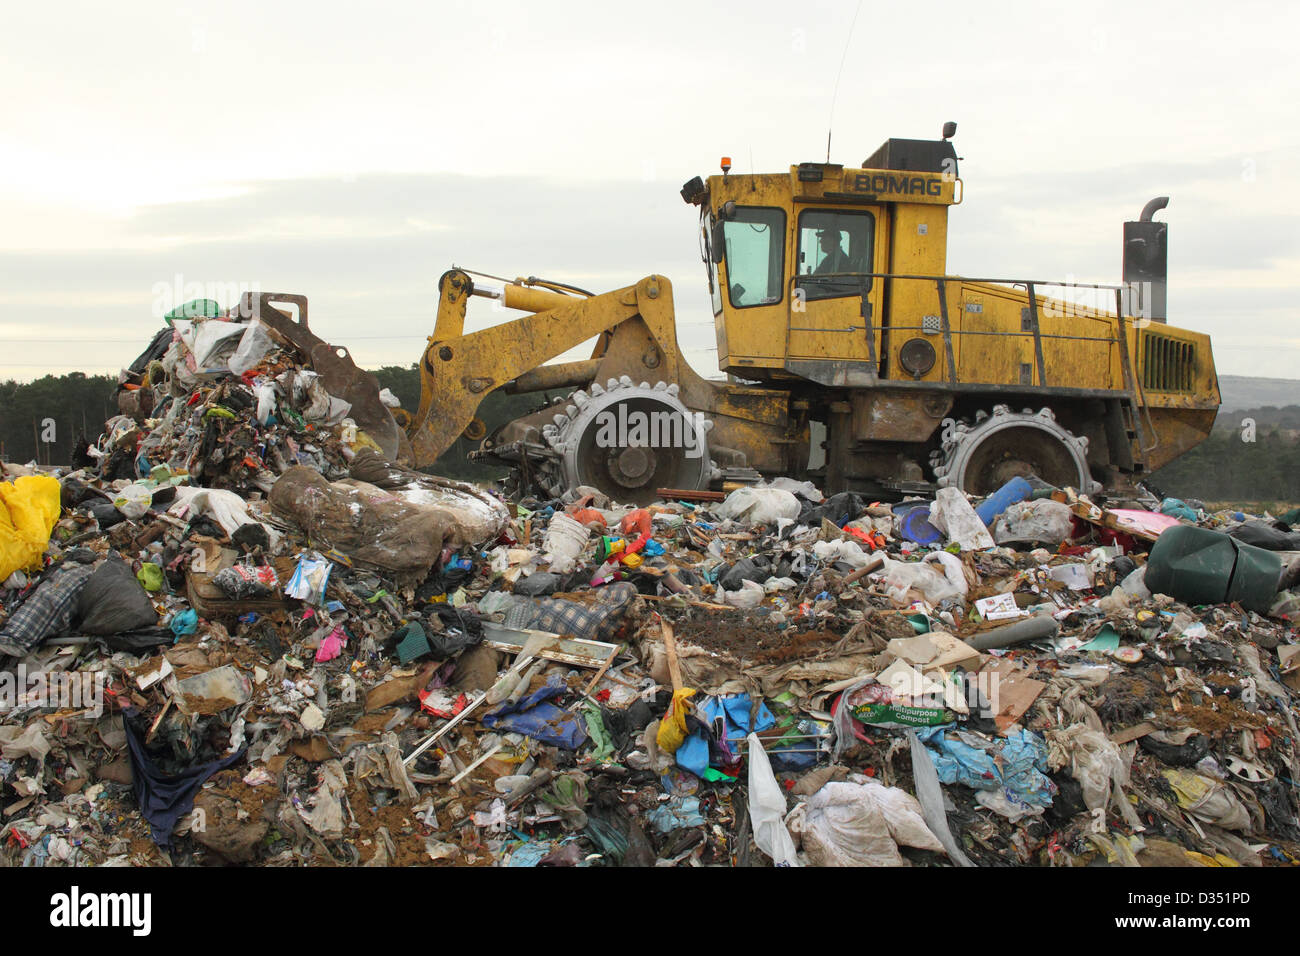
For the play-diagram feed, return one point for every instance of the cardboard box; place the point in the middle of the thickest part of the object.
(934, 651)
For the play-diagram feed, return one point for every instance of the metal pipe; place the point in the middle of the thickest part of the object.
(524, 299)
(1036, 628)
(1153, 207)
(546, 377)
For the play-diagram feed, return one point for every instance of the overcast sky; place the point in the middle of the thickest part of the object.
(353, 152)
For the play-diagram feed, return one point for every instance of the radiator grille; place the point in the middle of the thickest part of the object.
(1168, 364)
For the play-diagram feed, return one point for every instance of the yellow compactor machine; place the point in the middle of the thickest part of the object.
(852, 355)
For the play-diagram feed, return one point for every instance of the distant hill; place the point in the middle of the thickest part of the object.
(1245, 391)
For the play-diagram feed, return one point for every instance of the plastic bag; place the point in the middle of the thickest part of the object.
(759, 506)
(749, 595)
(266, 396)
(860, 824)
(133, 501)
(225, 508)
(113, 601)
(1286, 607)
(829, 552)
(952, 514)
(29, 509)
(1135, 584)
(332, 645)
(1208, 800)
(564, 541)
(1094, 760)
(1043, 520)
(150, 576)
(252, 348)
(672, 729)
(309, 579)
(245, 582)
(934, 584)
(929, 793)
(212, 339)
(767, 807)
(1009, 772)
(804, 489)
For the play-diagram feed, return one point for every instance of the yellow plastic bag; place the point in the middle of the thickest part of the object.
(672, 729)
(29, 507)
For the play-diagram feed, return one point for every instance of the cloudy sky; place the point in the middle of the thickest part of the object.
(354, 152)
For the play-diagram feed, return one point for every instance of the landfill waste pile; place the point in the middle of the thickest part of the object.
(241, 635)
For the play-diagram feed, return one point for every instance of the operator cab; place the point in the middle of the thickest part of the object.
(795, 259)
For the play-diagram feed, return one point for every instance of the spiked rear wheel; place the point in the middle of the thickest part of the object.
(982, 456)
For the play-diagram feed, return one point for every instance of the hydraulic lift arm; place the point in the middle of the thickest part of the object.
(457, 371)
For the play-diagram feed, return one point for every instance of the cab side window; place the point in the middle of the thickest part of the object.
(755, 256)
(835, 248)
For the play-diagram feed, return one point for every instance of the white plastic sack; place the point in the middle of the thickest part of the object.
(564, 540)
(1093, 758)
(1043, 520)
(935, 584)
(860, 824)
(759, 506)
(1136, 584)
(804, 489)
(952, 514)
(212, 339)
(265, 402)
(830, 552)
(749, 595)
(767, 807)
(133, 501)
(953, 570)
(224, 507)
(252, 348)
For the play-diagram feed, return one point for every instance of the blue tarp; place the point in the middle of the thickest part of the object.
(533, 717)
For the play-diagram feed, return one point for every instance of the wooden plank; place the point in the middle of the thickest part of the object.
(567, 650)
(689, 494)
(600, 673)
(670, 646)
(1132, 733)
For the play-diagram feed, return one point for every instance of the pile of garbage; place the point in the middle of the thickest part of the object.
(240, 634)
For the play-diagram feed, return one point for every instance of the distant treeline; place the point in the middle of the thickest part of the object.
(497, 409)
(1231, 467)
(42, 420)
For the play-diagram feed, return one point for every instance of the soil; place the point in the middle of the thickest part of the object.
(406, 832)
